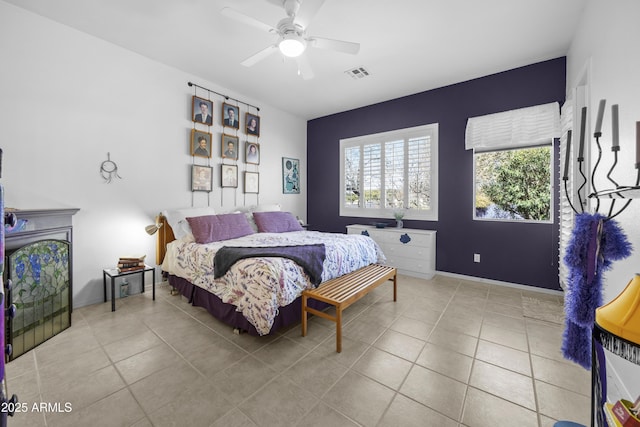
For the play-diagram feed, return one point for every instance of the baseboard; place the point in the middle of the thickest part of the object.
(500, 283)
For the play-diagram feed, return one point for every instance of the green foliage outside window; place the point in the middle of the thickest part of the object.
(514, 184)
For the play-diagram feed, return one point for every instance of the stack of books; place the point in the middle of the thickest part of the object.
(131, 263)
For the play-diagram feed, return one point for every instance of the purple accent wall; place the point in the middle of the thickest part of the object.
(512, 252)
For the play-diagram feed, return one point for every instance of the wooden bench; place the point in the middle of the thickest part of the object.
(343, 291)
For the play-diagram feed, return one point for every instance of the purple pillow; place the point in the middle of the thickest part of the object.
(213, 228)
(276, 222)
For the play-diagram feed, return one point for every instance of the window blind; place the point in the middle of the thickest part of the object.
(524, 127)
(394, 174)
(566, 212)
(419, 177)
(372, 170)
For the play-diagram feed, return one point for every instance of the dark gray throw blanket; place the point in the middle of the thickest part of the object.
(309, 257)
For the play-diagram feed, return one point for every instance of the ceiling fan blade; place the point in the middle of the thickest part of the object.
(307, 11)
(337, 45)
(304, 67)
(252, 60)
(246, 19)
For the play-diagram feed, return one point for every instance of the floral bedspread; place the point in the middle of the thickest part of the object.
(259, 286)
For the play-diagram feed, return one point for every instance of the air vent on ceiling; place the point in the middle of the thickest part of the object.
(357, 73)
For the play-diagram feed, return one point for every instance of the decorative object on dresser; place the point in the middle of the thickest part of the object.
(412, 251)
(398, 215)
(39, 266)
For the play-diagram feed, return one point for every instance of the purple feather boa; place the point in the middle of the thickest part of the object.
(594, 245)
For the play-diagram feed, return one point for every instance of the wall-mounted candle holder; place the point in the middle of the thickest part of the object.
(626, 192)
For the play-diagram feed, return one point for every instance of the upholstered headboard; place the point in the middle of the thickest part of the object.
(164, 236)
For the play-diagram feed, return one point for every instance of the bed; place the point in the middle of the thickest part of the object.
(259, 294)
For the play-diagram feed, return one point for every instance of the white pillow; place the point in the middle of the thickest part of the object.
(265, 208)
(177, 219)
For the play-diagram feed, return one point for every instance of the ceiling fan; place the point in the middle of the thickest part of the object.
(292, 34)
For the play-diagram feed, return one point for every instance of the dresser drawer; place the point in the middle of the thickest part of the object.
(412, 267)
(409, 238)
(412, 252)
(408, 251)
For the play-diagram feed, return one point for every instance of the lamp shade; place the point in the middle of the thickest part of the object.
(152, 228)
(621, 316)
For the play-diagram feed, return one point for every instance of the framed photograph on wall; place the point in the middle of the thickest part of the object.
(230, 116)
(290, 176)
(201, 178)
(229, 175)
(229, 146)
(200, 143)
(251, 182)
(252, 153)
(202, 110)
(252, 124)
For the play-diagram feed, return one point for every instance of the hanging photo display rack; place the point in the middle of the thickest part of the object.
(232, 150)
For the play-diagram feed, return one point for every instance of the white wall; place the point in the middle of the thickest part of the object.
(67, 99)
(608, 39)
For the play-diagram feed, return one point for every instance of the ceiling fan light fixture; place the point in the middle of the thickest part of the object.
(292, 45)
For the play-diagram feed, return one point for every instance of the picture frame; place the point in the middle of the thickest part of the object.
(252, 153)
(290, 176)
(252, 124)
(201, 143)
(202, 110)
(252, 182)
(230, 116)
(201, 178)
(229, 148)
(229, 175)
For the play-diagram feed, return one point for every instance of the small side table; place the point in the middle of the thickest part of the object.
(113, 273)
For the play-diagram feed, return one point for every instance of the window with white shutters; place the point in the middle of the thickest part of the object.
(390, 172)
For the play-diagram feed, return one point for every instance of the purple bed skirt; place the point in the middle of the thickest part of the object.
(227, 313)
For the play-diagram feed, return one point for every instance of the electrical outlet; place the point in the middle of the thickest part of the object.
(476, 257)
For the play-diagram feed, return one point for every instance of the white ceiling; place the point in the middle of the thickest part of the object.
(408, 46)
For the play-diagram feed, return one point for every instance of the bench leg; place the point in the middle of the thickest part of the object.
(395, 288)
(339, 329)
(304, 315)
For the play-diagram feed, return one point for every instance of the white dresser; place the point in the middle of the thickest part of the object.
(411, 251)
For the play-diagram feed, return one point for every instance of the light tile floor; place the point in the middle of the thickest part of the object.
(449, 352)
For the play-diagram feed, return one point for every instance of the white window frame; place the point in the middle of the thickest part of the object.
(431, 131)
(509, 130)
(551, 146)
